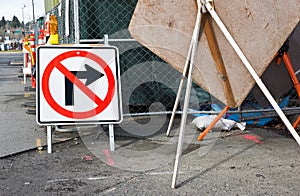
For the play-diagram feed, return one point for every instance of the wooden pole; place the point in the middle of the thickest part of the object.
(216, 54)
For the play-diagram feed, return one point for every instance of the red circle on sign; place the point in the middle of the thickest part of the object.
(56, 63)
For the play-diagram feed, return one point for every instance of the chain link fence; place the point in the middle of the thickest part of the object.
(148, 83)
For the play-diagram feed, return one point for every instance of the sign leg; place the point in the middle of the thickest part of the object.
(49, 139)
(111, 137)
(24, 65)
(24, 78)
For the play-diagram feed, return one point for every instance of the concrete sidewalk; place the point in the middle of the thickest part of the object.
(19, 130)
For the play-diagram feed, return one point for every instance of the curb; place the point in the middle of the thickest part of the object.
(16, 63)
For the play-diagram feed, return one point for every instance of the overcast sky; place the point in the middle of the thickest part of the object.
(9, 8)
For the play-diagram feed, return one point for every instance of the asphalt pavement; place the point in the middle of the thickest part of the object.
(257, 161)
(253, 162)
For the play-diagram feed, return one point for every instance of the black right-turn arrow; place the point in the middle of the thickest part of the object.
(90, 74)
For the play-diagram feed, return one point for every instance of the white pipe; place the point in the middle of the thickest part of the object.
(183, 122)
(179, 89)
(252, 71)
(194, 43)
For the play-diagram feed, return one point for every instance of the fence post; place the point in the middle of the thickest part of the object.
(76, 22)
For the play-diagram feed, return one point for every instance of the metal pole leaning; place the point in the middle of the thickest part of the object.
(247, 64)
(183, 121)
(186, 67)
(194, 44)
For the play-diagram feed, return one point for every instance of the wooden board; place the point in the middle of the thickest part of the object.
(276, 76)
(259, 28)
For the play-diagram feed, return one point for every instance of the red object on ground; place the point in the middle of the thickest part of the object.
(252, 138)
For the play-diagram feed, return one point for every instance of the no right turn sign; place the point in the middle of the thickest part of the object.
(78, 85)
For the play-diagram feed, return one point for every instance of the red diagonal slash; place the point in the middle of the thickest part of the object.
(79, 84)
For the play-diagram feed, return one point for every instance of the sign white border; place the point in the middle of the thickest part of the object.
(46, 115)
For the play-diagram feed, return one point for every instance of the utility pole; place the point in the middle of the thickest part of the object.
(33, 22)
(23, 17)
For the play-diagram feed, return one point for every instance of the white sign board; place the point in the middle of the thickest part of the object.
(78, 85)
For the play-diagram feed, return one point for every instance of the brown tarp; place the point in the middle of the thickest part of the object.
(259, 27)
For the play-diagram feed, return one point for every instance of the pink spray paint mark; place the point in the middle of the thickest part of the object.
(88, 158)
(109, 160)
(252, 138)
